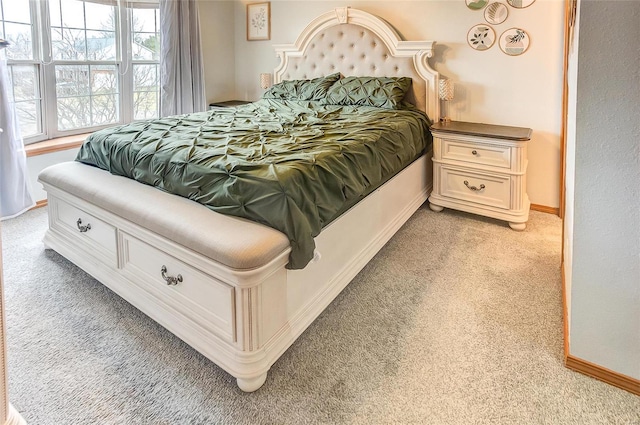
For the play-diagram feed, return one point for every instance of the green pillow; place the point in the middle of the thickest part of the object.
(314, 89)
(381, 92)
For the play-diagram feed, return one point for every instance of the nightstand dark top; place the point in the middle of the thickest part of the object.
(228, 103)
(483, 130)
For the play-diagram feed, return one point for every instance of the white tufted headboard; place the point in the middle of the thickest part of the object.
(357, 43)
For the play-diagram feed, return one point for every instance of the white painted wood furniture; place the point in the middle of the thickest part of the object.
(140, 242)
(481, 169)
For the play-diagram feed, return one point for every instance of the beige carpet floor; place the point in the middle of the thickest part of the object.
(458, 320)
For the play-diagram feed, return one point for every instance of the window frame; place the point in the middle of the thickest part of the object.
(46, 66)
(36, 62)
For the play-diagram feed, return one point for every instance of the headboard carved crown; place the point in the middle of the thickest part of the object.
(341, 14)
(354, 42)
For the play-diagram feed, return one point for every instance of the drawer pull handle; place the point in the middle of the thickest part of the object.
(82, 228)
(473, 188)
(171, 280)
(474, 152)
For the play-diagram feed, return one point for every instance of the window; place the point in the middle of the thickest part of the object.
(145, 47)
(88, 65)
(24, 70)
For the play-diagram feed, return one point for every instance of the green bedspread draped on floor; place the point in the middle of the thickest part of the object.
(293, 166)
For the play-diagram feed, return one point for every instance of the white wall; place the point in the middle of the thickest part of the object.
(605, 286)
(217, 25)
(491, 87)
(35, 164)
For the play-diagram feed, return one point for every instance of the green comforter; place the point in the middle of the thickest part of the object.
(293, 166)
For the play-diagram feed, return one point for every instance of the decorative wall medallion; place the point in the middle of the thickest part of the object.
(481, 37)
(476, 4)
(520, 4)
(514, 41)
(496, 13)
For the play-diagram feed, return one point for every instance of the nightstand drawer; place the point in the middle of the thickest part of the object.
(475, 153)
(491, 190)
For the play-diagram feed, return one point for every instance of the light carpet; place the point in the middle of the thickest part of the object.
(458, 320)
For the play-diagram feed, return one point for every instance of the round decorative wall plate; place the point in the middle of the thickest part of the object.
(476, 4)
(481, 37)
(514, 41)
(496, 13)
(520, 4)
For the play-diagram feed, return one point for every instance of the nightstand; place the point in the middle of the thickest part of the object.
(481, 169)
(228, 104)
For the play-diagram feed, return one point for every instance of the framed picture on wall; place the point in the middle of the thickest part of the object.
(259, 21)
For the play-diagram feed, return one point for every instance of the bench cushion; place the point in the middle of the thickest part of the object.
(234, 242)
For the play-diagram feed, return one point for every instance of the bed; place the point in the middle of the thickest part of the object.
(234, 288)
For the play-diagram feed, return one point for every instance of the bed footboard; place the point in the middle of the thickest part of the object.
(242, 320)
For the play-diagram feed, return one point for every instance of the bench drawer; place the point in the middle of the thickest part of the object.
(97, 237)
(193, 293)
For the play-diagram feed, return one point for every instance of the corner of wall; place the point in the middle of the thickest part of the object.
(217, 29)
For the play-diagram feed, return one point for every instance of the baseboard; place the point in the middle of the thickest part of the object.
(40, 204)
(603, 374)
(565, 312)
(545, 209)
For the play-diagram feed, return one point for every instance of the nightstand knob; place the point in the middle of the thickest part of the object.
(473, 188)
(474, 152)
